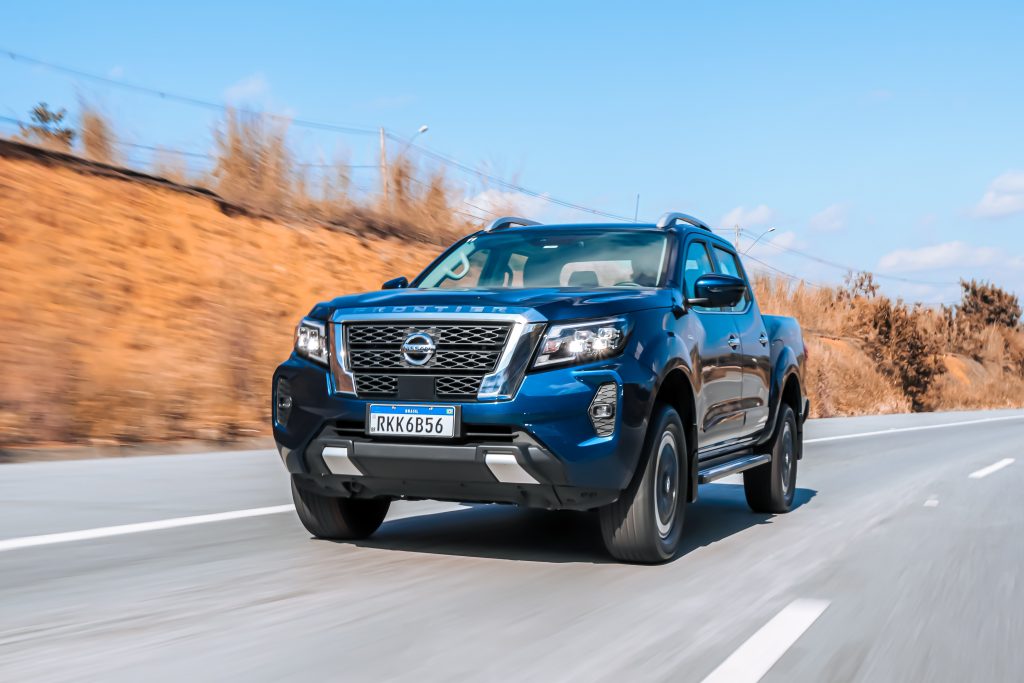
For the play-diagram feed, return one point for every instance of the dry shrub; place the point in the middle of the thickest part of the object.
(985, 304)
(822, 310)
(254, 165)
(335, 190)
(97, 135)
(903, 343)
(47, 129)
(842, 380)
(427, 206)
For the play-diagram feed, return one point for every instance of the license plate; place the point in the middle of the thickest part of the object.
(406, 420)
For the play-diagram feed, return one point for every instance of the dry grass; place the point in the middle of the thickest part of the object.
(254, 164)
(97, 136)
(869, 354)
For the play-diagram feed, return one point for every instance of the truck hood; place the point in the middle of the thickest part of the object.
(566, 303)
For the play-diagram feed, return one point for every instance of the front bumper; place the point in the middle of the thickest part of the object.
(539, 449)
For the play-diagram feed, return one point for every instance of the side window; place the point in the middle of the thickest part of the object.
(729, 264)
(697, 263)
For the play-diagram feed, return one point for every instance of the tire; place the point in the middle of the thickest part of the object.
(646, 522)
(340, 519)
(771, 486)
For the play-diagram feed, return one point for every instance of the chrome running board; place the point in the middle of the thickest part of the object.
(731, 467)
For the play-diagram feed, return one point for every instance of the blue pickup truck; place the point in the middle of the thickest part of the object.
(586, 367)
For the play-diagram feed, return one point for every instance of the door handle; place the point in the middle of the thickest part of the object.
(763, 339)
(734, 342)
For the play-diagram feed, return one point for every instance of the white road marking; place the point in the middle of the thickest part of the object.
(995, 467)
(752, 660)
(896, 430)
(174, 523)
(122, 529)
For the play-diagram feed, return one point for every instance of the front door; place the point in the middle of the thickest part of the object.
(718, 364)
(755, 347)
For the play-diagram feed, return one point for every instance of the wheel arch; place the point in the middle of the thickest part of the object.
(677, 390)
(790, 394)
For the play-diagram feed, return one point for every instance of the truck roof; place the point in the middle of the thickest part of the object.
(668, 221)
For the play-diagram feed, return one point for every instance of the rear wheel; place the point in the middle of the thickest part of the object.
(646, 523)
(338, 518)
(771, 486)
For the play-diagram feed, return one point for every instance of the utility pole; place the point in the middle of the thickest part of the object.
(636, 211)
(383, 166)
(736, 240)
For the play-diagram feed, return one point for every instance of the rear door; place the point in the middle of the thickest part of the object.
(719, 410)
(755, 350)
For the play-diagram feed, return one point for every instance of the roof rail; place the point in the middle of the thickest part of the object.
(506, 221)
(671, 218)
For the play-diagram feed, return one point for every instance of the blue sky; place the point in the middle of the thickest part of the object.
(885, 136)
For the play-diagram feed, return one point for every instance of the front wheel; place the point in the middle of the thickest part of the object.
(770, 487)
(339, 519)
(646, 523)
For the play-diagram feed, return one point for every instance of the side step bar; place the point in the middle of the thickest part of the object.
(732, 467)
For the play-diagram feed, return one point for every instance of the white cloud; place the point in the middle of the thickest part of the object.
(493, 203)
(831, 219)
(745, 218)
(767, 247)
(116, 72)
(788, 239)
(1004, 196)
(946, 255)
(251, 88)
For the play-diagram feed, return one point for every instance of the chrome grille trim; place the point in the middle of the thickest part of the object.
(522, 331)
(447, 334)
(368, 360)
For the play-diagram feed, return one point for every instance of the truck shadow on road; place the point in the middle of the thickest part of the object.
(511, 533)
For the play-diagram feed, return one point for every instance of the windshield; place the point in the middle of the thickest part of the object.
(609, 258)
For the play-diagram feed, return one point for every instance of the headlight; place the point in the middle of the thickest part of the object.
(582, 342)
(311, 340)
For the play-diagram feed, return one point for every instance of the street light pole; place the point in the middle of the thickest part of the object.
(419, 131)
(757, 240)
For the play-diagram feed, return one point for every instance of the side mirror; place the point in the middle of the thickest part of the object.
(396, 283)
(717, 291)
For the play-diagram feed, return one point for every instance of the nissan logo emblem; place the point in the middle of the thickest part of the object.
(418, 348)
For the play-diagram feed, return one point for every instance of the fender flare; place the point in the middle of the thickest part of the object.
(784, 367)
(681, 363)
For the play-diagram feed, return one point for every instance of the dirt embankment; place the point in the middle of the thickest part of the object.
(133, 310)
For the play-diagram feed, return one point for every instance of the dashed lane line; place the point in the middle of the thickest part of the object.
(752, 660)
(994, 467)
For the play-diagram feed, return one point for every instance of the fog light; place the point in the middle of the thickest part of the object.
(602, 409)
(282, 402)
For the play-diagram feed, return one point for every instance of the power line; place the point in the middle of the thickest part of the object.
(848, 268)
(784, 274)
(306, 123)
(183, 99)
(455, 163)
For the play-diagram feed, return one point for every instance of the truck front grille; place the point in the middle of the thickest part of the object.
(464, 353)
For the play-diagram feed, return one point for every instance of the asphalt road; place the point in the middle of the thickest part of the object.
(898, 565)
